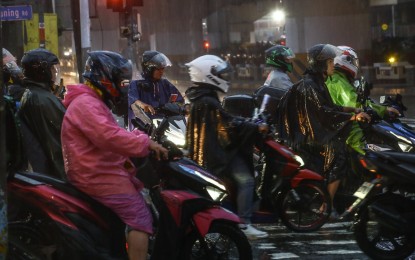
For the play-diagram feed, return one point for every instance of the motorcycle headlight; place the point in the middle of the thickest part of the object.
(178, 140)
(216, 194)
(405, 147)
(299, 160)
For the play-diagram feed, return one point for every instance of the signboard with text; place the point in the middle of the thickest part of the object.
(15, 13)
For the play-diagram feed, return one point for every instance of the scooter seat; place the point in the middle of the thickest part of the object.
(66, 187)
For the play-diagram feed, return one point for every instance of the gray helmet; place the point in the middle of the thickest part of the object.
(318, 55)
(153, 60)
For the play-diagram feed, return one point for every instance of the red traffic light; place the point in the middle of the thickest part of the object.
(115, 5)
(206, 44)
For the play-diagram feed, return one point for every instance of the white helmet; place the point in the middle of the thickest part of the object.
(347, 61)
(210, 69)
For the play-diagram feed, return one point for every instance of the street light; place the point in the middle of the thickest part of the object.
(278, 16)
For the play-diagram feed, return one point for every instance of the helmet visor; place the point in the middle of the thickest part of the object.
(328, 52)
(56, 73)
(288, 53)
(159, 61)
(222, 71)
(355, 62)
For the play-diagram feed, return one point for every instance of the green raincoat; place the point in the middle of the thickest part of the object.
(344, 94)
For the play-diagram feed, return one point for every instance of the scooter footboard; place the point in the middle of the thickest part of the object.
(204, 219)
(305, 174)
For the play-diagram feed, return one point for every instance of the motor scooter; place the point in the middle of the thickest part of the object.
(386, 133)
(287, 191)
(51, 219)
(384, 225)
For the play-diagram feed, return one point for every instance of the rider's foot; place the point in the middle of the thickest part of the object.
(251, 232)
(334, 215)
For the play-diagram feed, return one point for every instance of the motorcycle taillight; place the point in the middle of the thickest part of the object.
(368, 165)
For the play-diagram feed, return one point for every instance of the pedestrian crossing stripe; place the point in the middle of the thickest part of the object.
(283, 255)
(267, 246)
(331, 242)
(338, 252)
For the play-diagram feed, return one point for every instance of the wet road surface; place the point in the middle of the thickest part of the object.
(333, 241)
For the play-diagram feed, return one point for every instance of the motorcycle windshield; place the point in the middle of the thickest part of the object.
(140, 114)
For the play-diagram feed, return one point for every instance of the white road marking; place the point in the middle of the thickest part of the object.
(338, 252)
(283, 255)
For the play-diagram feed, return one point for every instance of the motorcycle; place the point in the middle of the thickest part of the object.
(176, 131)
(384, 225)
(381, 134)
(51, 219)
(213, 231)
(288, 191)
(388, 131)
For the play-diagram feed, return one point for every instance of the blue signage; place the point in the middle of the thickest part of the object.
(15, 13)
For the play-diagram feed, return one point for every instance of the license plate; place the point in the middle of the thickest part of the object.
(363, 190)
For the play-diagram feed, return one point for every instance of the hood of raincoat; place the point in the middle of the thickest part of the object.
(73, 91)
(202, 90)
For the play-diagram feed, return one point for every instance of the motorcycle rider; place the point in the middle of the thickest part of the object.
(219, 141)
(41, 112)
(152, 90)
(278, 82)
(343, 92)
(97, 150)
(310, 121)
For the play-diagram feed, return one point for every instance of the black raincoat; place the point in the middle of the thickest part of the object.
(214, 136)
(42, 113)
(310, 121)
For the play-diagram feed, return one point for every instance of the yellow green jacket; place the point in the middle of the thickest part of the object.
(344, 94)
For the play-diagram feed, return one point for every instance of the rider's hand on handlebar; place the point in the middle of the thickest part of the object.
(159, 151)
(362, 117)
(393, 111)
(263, 128)
(146, 107)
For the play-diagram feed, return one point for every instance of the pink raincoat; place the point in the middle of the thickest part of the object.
(96, 153)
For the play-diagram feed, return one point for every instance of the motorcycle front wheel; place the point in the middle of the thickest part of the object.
(305, 208)
(377, 240)
(223, 241)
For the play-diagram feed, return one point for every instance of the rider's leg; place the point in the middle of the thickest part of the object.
(332, 189)
(245, 184)
(137, 245)
(337, 171)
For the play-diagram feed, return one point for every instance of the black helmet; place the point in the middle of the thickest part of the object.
(154, 60)
(37, 65)
(319, 54)
(278, 55)
(106, 70)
